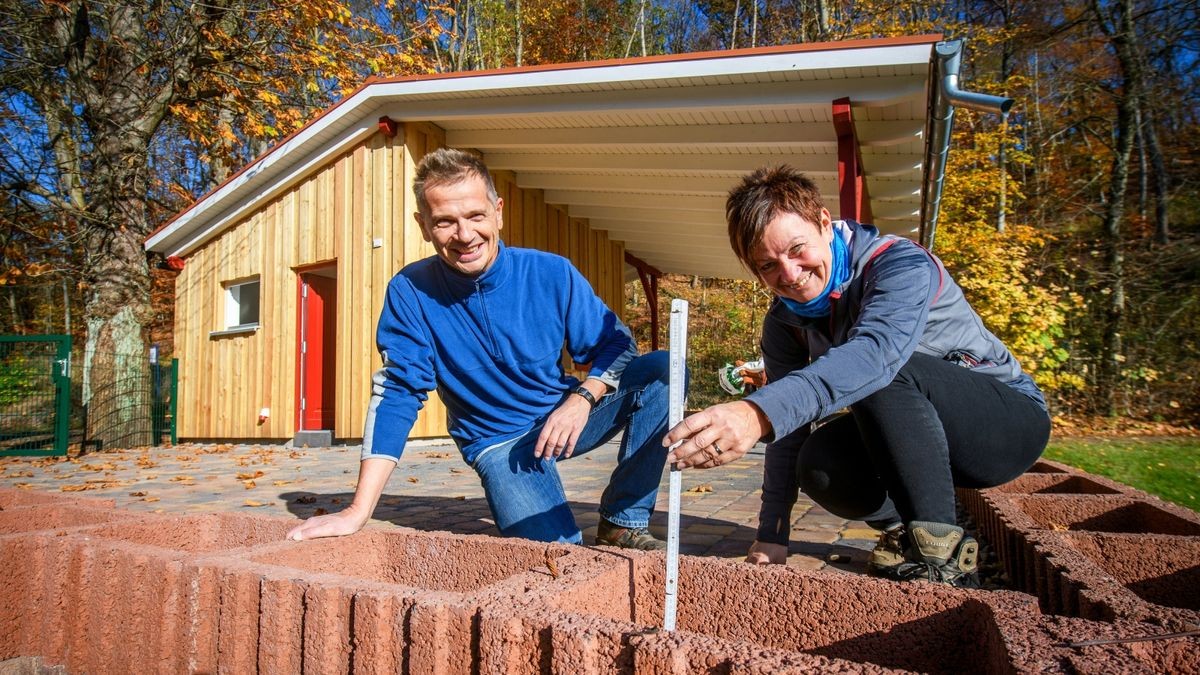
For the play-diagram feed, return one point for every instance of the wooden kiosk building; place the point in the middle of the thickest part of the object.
(621, 166)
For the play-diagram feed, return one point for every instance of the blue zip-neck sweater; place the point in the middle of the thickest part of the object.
(491, 345)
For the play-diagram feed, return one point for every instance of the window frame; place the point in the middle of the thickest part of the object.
(233, 304)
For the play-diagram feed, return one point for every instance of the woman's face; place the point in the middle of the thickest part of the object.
(794, 258)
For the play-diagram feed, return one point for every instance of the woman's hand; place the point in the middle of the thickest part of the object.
(716, 435)
(763, 553)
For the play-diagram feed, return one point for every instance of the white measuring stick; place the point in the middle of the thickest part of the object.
(678, 359)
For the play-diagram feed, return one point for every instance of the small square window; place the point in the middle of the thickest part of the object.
(241, 304)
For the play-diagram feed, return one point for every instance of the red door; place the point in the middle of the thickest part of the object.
(318, 323)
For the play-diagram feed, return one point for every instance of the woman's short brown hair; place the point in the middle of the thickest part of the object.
(762, 196)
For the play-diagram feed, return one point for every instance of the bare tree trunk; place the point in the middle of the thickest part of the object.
(737, 17)
(1121, 35)
(1158, 165)
(583, 23)
(1002, 152)
(1148, 132)
(754, 24)
(520, 35)
(822, 20)
(642, 25)
(1143, 174)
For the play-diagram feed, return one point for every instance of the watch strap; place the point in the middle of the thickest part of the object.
(582, 391)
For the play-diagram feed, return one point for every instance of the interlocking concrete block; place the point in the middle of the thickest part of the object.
(380, 634)
(10, 497)
(207, 533)
(22, 519)
(441, 638)
(225, 594)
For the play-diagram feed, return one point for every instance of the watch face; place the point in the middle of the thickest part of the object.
(586, 394)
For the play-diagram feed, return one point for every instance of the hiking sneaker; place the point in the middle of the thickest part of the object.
(940, 553)
(639, 538)
(889, 552)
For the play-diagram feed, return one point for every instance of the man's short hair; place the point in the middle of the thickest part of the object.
(762, 196)
(447, 166)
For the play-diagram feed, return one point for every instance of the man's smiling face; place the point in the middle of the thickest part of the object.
(463, 224)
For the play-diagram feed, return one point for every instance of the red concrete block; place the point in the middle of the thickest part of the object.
(919, 627)
(1059, 483)
(441, 638)
(224, 594)
(513, 644)
(1106, 514)
(106, 600)
(576, 651)
(379, 635)
(460, 564)
(21, 519)
(23, 560)
(326, 629)
(281, 626)
(663, 656)
(1161, 572)
(169, 656)
(200, 533)
(201, 617)
(237, 628)
(10, 497)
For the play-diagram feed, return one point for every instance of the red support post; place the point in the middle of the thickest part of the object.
(854, 202)
(648, 274)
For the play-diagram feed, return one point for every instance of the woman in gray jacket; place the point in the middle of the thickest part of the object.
(874, 325)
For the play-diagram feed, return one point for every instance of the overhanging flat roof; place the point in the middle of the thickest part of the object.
(646, 149)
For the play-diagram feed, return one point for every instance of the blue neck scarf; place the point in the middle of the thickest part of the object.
(839, 273)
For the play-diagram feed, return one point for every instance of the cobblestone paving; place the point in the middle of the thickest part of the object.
(431, 489)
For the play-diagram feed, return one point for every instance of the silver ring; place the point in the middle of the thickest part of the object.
(716, 447)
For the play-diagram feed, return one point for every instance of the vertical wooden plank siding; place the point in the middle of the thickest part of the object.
(354, 214)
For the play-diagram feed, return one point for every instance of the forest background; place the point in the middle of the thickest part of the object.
(1071, 223)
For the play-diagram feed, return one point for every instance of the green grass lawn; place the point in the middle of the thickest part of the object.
(1167, 467)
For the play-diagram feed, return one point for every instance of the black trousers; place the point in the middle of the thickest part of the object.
(899, 453)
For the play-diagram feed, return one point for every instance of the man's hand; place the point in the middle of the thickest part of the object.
(716, 435)
(373, 474)
(763, 553)
(563, 426)
(347, 521)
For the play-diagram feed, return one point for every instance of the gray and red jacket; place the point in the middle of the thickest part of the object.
(899, 300)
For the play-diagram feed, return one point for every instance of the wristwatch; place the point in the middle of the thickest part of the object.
(582, 391)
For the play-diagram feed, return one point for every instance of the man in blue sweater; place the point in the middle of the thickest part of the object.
(485, 325)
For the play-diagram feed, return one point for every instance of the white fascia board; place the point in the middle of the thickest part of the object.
(328, 126)
(179, 239)
(675, 69)
(735, 166)
(665, 137)
(866, 92)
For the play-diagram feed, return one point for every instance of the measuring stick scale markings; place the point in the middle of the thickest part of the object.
(678, 368)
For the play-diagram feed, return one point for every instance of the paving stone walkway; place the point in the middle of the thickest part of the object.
(431, 489)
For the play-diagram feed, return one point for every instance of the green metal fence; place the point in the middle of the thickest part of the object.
(42, 406)
(35, 390)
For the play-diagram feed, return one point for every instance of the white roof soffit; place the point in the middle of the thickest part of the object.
(646, 149)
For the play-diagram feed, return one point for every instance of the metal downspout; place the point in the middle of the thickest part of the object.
(943, 99)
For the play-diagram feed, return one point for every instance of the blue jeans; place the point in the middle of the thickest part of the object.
(525, 494)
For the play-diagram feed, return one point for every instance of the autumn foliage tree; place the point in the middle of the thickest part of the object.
(89, 89)
(115, 115)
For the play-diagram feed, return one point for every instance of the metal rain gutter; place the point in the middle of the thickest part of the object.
(945, 97)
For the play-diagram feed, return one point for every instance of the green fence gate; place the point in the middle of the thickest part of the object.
(42, 408)
(35, 394)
